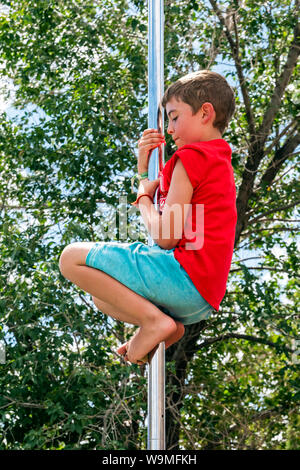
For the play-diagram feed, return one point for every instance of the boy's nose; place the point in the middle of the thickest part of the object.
(170, 130)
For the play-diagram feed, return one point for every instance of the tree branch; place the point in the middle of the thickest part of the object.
(277, 209)
(283, 133)
(234, 45)
(281, 155)
(256, 152)
(44, 206)
(246, 259)
(281, 176)
(25, 405)
(260, 268)
(250, 338)
(266, 414)
(276, 229)
(280, 87)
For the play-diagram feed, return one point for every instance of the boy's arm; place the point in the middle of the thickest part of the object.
(166, 229)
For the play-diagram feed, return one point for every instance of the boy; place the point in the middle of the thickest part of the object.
(179, 280)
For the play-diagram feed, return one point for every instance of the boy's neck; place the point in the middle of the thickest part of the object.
(210, 134)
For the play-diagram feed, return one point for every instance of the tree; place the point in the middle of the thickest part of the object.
(78, 70)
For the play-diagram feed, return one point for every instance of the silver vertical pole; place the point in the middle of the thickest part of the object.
(156, 368)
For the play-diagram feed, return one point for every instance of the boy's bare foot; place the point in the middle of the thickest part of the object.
(151, 332)
(171, 339)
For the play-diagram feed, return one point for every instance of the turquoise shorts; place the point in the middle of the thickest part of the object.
(153, 273)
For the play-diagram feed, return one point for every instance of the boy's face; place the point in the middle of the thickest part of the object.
(185, 127)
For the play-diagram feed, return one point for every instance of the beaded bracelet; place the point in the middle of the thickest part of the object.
(135, 203)
(138, 177)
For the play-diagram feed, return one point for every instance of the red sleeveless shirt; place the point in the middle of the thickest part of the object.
(206, 247)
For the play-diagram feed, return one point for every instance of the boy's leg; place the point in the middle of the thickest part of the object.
(155, 326)
(109, 310)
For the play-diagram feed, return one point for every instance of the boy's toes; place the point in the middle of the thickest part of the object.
(122, 349)
(140, 361)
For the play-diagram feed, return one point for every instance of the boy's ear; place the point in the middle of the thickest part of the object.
(207, 112)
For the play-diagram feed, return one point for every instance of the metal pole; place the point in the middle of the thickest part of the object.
(156, 368)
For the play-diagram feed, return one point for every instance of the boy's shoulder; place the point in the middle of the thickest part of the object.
(215, 145)
(199, 152)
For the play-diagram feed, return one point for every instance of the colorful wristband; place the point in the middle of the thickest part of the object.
(135, 203)
(138, 177)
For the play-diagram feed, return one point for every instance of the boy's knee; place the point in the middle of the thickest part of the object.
(66, 260)
(73, 255)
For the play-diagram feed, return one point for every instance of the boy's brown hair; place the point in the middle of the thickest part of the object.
(204, 86)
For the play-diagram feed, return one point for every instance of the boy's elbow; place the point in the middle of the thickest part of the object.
(172, 243)
(166, 243)
(168, 236)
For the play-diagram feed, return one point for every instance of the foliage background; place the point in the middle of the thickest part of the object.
(76, 73)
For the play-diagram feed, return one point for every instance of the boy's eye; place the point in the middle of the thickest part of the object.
(175, 119)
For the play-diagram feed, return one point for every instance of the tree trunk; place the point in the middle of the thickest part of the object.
(181, 352)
